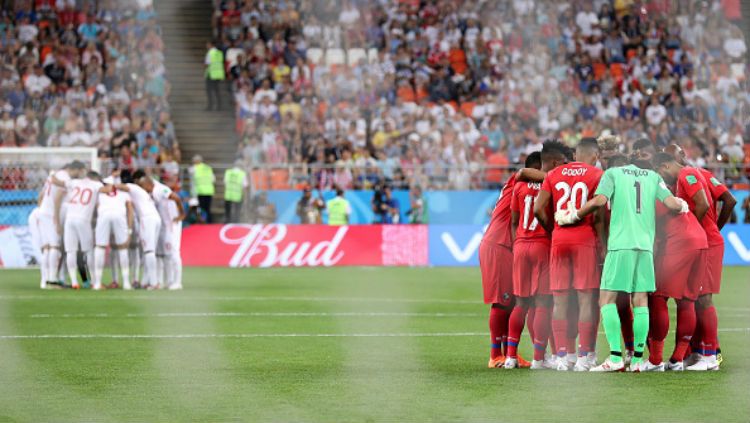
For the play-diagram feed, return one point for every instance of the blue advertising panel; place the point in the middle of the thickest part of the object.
(460, 207)
(736, 245)
(360, 201)
(455, 245)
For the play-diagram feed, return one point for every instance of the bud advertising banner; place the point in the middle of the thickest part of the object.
(304, 245)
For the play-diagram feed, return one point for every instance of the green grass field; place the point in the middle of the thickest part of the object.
(343, 344)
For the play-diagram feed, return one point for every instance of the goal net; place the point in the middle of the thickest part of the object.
(22, 175)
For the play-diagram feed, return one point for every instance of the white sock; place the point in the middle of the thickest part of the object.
(99, 256)
(176, 271)
(160, 268)
(88, 257)
(43, 266)
(135, 261)
(53, 261)
(124, 265)
(114, 263)
(72, 263)
(149, 268)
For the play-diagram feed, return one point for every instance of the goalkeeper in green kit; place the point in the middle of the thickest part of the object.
(629, 266)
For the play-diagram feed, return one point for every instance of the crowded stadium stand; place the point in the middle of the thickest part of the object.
(438, 93)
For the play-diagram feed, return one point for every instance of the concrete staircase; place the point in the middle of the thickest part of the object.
(186, 28)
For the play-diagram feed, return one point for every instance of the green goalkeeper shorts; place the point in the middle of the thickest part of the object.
(629, 271)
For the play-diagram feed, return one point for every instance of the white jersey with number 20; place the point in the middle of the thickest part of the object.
(82, 197)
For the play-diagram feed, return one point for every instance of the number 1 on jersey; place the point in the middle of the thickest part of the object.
(637, 197)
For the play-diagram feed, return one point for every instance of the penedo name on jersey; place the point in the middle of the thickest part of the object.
(634, 172)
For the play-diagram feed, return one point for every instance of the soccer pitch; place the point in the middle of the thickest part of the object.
(337, 344)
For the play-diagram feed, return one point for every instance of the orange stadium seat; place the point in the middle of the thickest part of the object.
(280, 179)
(599, 70)
(259, 178)
(467, 108)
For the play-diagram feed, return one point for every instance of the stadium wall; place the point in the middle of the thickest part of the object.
(279, 245)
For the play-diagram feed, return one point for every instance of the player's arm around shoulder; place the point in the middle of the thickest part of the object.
(663, 194)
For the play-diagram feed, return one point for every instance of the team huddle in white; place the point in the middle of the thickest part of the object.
(140, 221)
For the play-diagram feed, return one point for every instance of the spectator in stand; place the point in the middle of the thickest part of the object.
(214, 62)
(203, 185)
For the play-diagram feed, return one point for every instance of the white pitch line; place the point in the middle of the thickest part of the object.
(268, 335)
(239, 335)
(256, 314)
(224, 298)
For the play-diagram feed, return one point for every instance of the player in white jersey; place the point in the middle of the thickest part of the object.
(36, 241)
(170, 208)
(148, 231)
(50, 220)
(114, 220)
(78, 235)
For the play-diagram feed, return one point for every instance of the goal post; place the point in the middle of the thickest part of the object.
(23, 172)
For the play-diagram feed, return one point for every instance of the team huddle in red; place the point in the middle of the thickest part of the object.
(546, 277)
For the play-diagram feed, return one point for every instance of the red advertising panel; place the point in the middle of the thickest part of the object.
(304, 245)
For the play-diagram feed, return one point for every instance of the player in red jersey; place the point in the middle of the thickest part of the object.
(680, 264)
(574, 257)
(531, 261)
(704, 344)
(496, 266)
(692, 187)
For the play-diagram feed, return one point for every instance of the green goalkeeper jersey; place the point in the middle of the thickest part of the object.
(632, 193)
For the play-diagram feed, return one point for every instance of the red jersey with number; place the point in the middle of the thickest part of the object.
(689, 182)
(522, 202)
(498, 231)
(715, 186)
(575, 182)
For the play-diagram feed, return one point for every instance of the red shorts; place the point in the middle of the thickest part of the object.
(496, 265)
(574, 267)
(714, 262)
(531, 269)
(681, 275)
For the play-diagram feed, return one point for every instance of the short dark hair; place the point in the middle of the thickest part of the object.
(534, 160)
(662, 158)
(553, 148)
(617, 160)
(589, 143)
(76, 165)
(138, 174)
(642, 143)
(93, 175)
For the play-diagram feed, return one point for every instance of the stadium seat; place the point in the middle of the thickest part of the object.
(259, 179)
(354, 54)
(335, 56)
(314, 55)
(280, 179)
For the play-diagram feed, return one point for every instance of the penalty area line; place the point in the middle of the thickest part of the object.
(269, 335)
(251, 314)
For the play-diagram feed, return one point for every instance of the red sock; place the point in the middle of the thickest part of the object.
(710, 328)
(584, 335)
(541, 331)
(594, 331)
(658, 328)
(686, 322)
(570, 342)
(515, 328)
(560, 333)
(696, 342)
(498, 330)
(626, 320)
(530, 322)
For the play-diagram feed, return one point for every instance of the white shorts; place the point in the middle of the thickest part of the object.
(78, 232)
(48, 231)
(111, 224)
(149, 232)
(170, 238)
